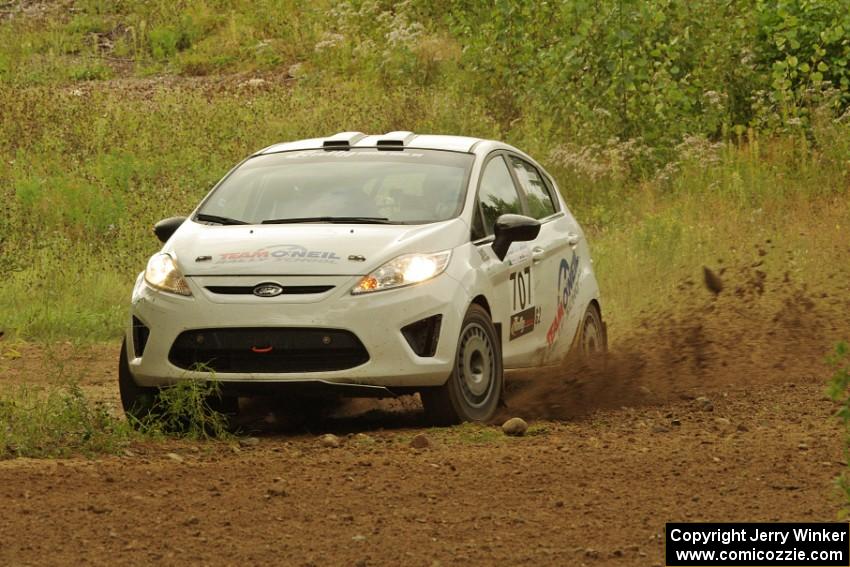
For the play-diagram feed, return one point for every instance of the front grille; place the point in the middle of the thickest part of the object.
(287, 289)
(267, 350)
(140, 337)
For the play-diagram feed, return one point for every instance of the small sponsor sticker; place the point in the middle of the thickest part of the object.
(523, 322)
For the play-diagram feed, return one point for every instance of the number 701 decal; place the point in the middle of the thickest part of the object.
(528, 315)
(522, 288)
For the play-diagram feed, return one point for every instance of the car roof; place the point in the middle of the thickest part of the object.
(391, 141)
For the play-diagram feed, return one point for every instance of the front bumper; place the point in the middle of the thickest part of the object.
(375, 319)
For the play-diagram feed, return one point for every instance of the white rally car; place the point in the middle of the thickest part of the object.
(366, 265)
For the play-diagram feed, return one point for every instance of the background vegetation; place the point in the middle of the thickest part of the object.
(681, 133)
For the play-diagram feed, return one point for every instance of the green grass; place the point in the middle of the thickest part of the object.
(86, 177)
(107, 127)
(58, 422)
(103, 39)
(186, 410)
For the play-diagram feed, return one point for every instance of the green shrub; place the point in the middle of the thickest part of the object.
(803, 48)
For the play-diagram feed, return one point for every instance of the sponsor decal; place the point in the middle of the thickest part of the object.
(567, 288)
(280, 253)
(523, 322)
(518, 254)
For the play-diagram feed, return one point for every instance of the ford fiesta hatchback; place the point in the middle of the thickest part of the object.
(366, 266)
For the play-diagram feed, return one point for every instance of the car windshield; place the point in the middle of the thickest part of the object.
(363, 186)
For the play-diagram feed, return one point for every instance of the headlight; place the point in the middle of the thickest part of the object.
(404, 270)
(162, 273)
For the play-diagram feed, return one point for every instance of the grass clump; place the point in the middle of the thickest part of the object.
(61, 421)
(839, 391)
(187, 410)
(58, 422)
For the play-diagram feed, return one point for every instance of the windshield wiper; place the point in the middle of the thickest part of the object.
(340, 220)
(215, 218)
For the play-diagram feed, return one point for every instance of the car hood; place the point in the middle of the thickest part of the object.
(304, 249)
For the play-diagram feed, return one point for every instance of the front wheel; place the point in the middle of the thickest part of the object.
(138, 401)
(473, 389)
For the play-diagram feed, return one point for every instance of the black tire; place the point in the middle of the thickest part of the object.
(474, 387)
(592, 339)
(138, 401)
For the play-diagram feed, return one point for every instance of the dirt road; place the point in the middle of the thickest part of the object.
(715, 413)
(595, 491)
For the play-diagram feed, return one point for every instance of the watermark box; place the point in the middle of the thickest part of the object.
(762, 544)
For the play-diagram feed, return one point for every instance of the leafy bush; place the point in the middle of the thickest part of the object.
(803, 47)
(657, 70)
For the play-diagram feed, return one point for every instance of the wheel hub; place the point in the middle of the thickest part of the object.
(476, 363)
(592, 336)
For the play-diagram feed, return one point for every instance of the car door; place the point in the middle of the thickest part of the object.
(554, 267)
(511, 278)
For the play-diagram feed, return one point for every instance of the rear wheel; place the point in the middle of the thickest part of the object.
(138, 401)
(592, 338)
(473, 389)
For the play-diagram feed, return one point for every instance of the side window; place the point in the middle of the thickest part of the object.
(497, 193)
(539, 199)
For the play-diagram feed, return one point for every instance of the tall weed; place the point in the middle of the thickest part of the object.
(839, 391)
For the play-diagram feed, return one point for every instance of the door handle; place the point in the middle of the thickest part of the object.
(573, 239)
(537, 254)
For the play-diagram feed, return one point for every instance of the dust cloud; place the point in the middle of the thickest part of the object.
(735, 327)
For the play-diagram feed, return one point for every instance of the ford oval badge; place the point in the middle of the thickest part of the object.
(267, 290)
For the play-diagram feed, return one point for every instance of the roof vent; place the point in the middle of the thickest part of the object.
(336, 145)
(390, 145)
(395, 141)
(342, 141)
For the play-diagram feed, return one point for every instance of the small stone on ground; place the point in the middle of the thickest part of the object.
(329, 440)
(515, 426)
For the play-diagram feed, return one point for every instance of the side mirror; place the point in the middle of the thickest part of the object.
(513, 228)
(166, 227)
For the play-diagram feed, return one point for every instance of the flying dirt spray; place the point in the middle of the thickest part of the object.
(742, 327)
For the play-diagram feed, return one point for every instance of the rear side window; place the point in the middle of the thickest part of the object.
(497, 193)
(540, 204)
